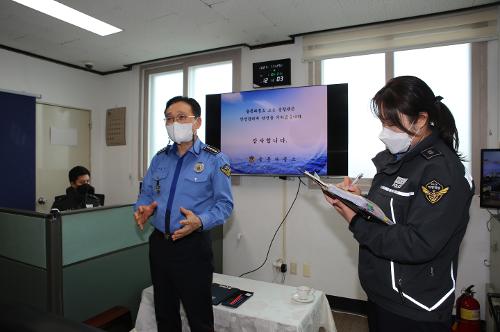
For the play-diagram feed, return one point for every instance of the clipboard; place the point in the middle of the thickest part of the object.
(362, 206)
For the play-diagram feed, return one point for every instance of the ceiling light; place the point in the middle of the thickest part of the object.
(70, 15)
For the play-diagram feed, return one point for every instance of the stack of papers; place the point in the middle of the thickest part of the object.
(357, 203)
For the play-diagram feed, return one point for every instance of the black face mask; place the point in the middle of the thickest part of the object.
(85, 189)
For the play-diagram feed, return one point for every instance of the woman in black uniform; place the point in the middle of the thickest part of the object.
(408, 270)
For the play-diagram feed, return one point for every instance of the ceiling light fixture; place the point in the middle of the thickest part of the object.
(70, 15)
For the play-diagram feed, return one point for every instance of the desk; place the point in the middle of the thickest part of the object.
(271, 308)
(494, 310)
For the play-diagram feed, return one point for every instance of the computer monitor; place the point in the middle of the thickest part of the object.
(281, 132)
(489, 196)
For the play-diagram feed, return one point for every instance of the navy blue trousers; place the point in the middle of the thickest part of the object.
(182, 271)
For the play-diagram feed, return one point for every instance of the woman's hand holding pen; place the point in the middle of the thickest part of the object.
(348, 185)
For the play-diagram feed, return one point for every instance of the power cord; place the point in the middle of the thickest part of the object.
(492, 216)
(276, 232)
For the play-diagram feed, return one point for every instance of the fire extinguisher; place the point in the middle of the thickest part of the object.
(468, 313)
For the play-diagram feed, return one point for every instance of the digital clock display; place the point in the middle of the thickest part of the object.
(271, 73)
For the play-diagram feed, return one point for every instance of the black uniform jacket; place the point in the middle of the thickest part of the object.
(73, 200)
(410, 268)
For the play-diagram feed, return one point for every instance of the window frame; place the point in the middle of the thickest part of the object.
(479, 98)
(175, 64)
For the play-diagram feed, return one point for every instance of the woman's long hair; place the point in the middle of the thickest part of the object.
(409, 95)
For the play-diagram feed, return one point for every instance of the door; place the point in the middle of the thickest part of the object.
(62, 142)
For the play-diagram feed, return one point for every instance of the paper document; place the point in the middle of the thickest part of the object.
(357, 203)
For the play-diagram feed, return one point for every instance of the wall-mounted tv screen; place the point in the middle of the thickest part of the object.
(489, 196)
(281, 131)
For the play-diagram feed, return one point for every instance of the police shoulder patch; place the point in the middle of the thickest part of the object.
(165, 149)
(434, 191)
(430, 153)
(226, 169)
(211, 149)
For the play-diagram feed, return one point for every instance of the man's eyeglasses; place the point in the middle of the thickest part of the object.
(181, 118)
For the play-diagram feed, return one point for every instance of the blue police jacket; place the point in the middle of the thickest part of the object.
(198, 181)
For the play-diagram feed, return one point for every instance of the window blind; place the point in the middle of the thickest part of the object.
(446, 29)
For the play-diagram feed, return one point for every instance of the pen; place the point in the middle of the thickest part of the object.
(360, 175)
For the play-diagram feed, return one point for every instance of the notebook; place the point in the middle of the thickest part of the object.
(358, 204)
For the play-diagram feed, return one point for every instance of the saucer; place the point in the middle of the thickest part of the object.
(296, 298)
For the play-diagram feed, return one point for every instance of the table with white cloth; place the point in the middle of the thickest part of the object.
(271, 308)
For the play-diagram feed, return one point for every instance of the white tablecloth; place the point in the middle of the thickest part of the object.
(271, 308)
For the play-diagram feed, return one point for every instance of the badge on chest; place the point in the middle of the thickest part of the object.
(199, 167)
(434, 191)
(399, 182)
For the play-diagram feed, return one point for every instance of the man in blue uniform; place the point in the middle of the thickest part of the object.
(187, 192)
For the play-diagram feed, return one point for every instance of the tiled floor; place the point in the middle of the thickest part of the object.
(346, 322)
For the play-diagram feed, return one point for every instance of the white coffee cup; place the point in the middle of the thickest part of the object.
(304, 292)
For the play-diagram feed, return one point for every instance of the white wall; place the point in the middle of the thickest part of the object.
(57, 85)
(493, 137)
(474, 254)
(314, 233)
(292, 51)
(119, 164)
(114, 169)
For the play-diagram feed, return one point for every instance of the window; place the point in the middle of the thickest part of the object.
(415, 46)
(209, 79)
(446, 69)
(194, 77)
(365, 75)
(163, 86)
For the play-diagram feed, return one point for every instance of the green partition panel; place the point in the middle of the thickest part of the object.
(22, 283)
(22, 238)
(94, 232)
(95, 285)
(23, 263)
(105, 261)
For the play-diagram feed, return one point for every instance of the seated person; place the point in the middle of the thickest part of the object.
(80, 194)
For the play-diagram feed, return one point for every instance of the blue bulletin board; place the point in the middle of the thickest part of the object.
(18, 140)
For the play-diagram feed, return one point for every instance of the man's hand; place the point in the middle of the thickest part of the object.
(189, 225)
(143, 212)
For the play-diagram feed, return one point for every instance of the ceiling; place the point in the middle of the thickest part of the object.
(154, 29)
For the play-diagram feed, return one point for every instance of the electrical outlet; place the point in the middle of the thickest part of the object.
(293, 268)
(306, 270)
(277, 263)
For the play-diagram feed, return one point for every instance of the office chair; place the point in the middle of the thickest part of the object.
(101, 198)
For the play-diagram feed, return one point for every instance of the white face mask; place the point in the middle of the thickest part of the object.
(180, 132)
(394, 141)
